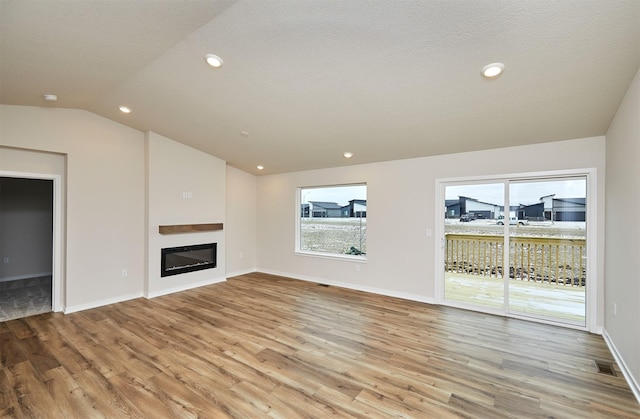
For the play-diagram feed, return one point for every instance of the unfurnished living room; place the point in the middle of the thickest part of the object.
(281, 208)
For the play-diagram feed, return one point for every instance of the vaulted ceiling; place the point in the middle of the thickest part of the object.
(305, 81)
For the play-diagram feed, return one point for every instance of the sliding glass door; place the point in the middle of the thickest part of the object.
(474, 246)
(517, 247)
(548, 249)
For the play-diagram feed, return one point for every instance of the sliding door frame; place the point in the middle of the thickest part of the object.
(593, 291)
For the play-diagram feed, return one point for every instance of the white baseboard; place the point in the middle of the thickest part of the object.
(372, 290)
(633, 383)
(100, 303)
(237, 273)
(28, 276)
(186, 287)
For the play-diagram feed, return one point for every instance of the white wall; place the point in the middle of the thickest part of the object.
(172, 170)
(30, 161)
(119, 185)
(622, 285)
(21, 163)
(241, 222)
(104, 184)
(400, 255)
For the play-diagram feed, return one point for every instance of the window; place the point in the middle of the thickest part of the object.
(333, 220)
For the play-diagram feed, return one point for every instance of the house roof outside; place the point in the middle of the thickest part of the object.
(451, 202)
(560, 203)
(570, 203)
(325, 205)
(478, 201)
(358, 201)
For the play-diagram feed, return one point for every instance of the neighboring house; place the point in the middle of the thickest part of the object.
(478, 209)
(548, 209)
(317, 209)
(465, 205)
(325, 209)
(569, 209)
(452, 208)
(356, 208)
(555, 209)
(304, 210)
(547, 202)
(534, 212)
(564, 209)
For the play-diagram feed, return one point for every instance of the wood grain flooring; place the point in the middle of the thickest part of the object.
(266, 346)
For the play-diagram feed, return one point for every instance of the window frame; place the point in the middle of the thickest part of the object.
(298, 232)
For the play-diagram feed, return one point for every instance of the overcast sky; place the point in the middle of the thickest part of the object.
(520, 193)
(339, 195)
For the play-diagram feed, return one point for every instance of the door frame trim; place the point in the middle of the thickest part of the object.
(56, 271)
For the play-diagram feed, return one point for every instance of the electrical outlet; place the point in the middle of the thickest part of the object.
(5, 260)
(124, 273)
(357, 268)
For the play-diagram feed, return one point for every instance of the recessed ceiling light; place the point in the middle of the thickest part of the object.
(244, 133)
(492, 70)
(260, 167)
(347, 154)
(213, 60)
(125, 109)
(50, 98)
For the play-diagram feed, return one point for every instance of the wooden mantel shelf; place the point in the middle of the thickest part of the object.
(189, 228)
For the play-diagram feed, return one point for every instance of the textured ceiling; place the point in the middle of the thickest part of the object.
(309, 80)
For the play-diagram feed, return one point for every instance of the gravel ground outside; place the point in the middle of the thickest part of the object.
(333, 235)
(338, 235)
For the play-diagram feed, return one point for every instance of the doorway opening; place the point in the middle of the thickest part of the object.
(27, 246)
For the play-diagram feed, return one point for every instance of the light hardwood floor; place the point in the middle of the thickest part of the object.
(266, 346)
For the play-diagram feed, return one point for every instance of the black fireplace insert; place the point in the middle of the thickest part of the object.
(183, 259)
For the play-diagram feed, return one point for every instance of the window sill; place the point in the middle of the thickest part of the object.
(334, 256)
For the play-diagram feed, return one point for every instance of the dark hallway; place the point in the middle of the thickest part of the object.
(26, 245)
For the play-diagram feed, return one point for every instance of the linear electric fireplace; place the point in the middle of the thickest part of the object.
(179, 260)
